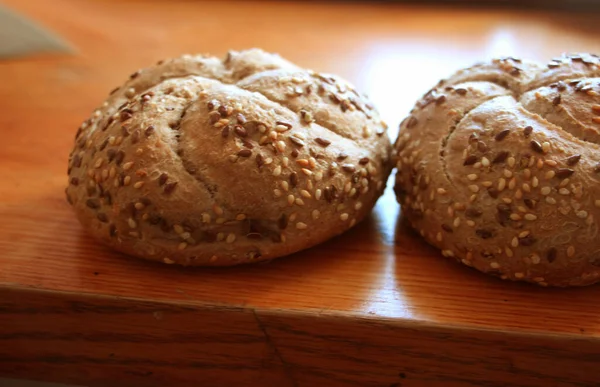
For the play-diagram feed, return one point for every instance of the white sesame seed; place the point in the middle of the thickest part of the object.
(549, 175)
(318, 193)
(285, 162)
(487, 184)
(507, 173)
(551, 163)
(277, 170)
(182, 246)
(347, 186)
(456, 222)
(312, 162)
(293, 216)
(527, 173)
(291, 199)
(240, 217)
(470, 223)
(111, 140)
(284, 185)
(485, 162)
(282, 128)
(546, 146)
(138, 185)
(507, 200)
(550, 200)
(510, 161)
(358, 206)
(127, 180)
(530, 217)
(344, 216)
(508, 251)
(299, 202)
(268, 160)
(564, 191)
(205, 217)
(230, 238)
(340, 207)
(119, 140)
(582, 214)
(535, 182)
(545, 191)
(441, 191)
(132, 223)
(473, 198)
(597, 203)
(514, 216)
(280, 146)
(352, 192)
(472, 176)
(526, 187)
(439, 237)
(139, 206)
(301, 226)
(501, 184)
(494, 265)
(168, 261)
(540, 164)
(352, 222)
(318, 176)
(519, 275)
(564, 183)
(535, 259)
(522, 209)
(474, 188)
(512, 183)
(128, 165)
(316, 214)
(515, 242)
(307, 172)
(570, 251)
(99, 163)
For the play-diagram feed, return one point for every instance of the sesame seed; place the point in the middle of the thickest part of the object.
(291, 199)
(485, 162)
(138, 185)
(99, 163)
(514, 216)
(439, 237)
(456, 222)
(512, 183)
(280, 146)
(511, 161)
(318, 194)
(518, 194)
(501, 184)
(519, 275)
(268, 161)
(470, 223)
(549, 175)
(441, 191)
(230, 238)
(277, 192)
(277, 170)
(564, 191)
(530, 217)
(597, 203)
(293, 217)
(307, 172)
(570, 251)
(347, 186)
(526, 187)
(509, 253)
(494, 265)
(487, 184)
(132, 223)
(582, 214)
(472, 177)
(127, 180)
(302, 162)
(282, 128)
(344, 216)
(220, 236)
(301, 226)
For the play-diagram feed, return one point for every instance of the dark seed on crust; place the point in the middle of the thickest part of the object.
(294, 179)
(473, 213)
(502, 135)
(500, 157)
(225, 131)
(245, 153)
(240, 131)
(295, 153)
(110, 154)
(76, 161)
(149, 130)
(527, 241)
(102, 217)
(529, 203)
(162, 179)
(104, 144)
(482, 146)
(112, 230)
(556, 100)
(74, 181)
(363, 161)
(536, 146)
(135, 136)
(342, 156)
(470, 160)
(222, 110)
(527, 131)
(461, 91)
(493, 192)
(551, 255)
(119, 157)
(241, 119)
(260, 161)
(349, 168)
(282, 223)
(170, 187)
(296, 141)
(126, 114)
(484, 233)
(563, 173)
(92, 203)
(597, 168)
(447, 228)
(322, 142)
(213, 117)
(573, 160)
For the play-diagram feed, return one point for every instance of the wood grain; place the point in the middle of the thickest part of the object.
(363, 309)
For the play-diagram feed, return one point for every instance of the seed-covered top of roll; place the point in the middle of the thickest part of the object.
(499, 167)
(202, 161)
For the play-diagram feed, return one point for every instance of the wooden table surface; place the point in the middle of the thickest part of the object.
(373, 307)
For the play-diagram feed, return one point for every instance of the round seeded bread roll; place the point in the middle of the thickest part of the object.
(499, 167)
(202, 161)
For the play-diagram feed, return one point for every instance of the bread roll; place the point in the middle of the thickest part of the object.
(499, 167)
(202, 161)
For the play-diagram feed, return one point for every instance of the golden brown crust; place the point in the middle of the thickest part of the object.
(499, 167)
(199, 161)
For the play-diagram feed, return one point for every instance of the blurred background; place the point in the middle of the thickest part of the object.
(60, 58)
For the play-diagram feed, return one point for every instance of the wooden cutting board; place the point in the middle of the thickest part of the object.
(373, 307)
